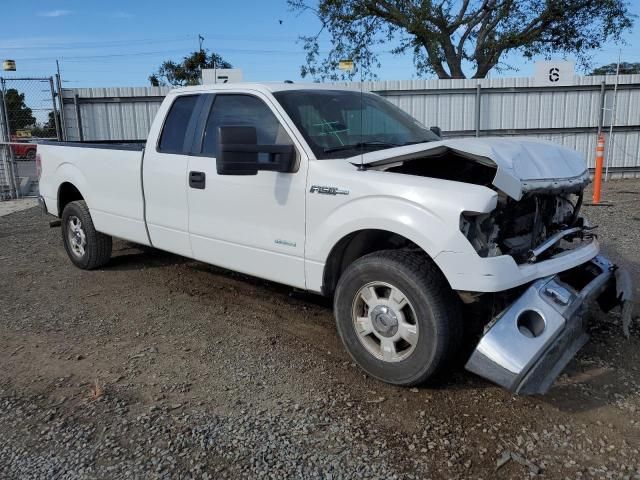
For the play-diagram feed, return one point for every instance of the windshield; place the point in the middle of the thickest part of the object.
(340, 123)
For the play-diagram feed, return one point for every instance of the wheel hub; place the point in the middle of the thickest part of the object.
(385, 320)
(76, 236)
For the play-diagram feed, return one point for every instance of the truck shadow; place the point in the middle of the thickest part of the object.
(604, 374)
(130, 256)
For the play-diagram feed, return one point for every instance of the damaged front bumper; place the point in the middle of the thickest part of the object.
(527, 346)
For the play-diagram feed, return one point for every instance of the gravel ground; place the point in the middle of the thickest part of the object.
(11, 206)
(162, 367)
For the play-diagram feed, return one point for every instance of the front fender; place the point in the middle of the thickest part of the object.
(408, 219)
(432, 232)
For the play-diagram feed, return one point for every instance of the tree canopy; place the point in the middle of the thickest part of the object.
(20, 115)
(626, 68)
(48, 129)
(449, 37)
(187, 72)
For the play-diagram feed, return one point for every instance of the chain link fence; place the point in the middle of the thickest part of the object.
(28, 114)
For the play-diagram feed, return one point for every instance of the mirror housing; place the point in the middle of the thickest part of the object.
(437, 131)
(238, 153)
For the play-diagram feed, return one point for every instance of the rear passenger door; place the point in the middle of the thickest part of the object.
(165, 175)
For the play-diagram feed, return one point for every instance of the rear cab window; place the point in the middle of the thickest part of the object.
(179, 126)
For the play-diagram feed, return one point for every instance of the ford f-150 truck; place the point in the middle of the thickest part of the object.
(416, 238)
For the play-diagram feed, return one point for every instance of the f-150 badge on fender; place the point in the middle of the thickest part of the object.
(327, 190)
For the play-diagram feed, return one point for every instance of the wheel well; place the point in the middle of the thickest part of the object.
(356, 245)
(67, 193)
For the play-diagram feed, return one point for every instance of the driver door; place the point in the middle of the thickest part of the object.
(254, 224)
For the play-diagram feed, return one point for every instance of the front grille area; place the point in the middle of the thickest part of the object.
(517, 227)
(525, 224)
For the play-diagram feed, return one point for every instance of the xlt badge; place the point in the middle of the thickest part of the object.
(327, 190)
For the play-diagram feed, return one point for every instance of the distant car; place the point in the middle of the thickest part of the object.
(22, 149)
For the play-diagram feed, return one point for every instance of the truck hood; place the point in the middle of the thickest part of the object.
(522, 164)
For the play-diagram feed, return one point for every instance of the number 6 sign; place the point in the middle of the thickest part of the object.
(553, 74)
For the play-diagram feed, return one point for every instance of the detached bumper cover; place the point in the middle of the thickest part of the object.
(527, 346)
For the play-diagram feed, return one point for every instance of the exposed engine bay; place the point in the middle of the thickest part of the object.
(538, 226)
(541, 224)
(447, 164)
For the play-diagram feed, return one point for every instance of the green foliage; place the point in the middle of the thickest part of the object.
(447, 37)
(48, 130)
(20, 116)
(187, 72)
(626, 68)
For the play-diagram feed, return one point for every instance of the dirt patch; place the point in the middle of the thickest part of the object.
(210, 374)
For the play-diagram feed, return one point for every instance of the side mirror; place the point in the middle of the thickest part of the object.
(437, 131)
(238, 153)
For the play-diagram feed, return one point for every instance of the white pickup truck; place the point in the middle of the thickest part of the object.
(417, 239)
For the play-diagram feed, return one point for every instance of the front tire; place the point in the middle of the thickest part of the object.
(87, 248)
(397, 316)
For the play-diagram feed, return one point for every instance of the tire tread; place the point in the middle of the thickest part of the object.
(99, 245)
(418, 267)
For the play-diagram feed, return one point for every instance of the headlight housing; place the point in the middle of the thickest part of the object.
(482, 232)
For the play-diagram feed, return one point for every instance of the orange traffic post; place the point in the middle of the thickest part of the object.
(597, 176)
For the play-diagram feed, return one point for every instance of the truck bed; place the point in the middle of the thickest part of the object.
(109, 176)
(135, 145)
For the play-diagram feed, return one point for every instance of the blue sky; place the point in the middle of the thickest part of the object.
(120, 43)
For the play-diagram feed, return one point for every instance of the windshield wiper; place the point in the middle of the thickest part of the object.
(355, 146)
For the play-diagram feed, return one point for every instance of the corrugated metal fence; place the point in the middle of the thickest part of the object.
(569, 115)
(123, 113)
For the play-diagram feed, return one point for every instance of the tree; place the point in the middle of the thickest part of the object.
(626, 68)
(187, 72)
(448, 37)
(20, 116)
(48, 130)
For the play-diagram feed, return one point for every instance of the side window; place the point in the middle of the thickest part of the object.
(242, 110)
(172, 139)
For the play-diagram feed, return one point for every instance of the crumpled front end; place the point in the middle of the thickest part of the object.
(539, 226)
(533, 256)
(527, 346)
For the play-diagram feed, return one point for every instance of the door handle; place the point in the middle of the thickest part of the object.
(197, 180)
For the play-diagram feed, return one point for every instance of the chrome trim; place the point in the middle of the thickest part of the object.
(550, 242)
(327, 190)
(529, 364)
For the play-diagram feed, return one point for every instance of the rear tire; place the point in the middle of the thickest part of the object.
(397, 316)
(87, 248)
